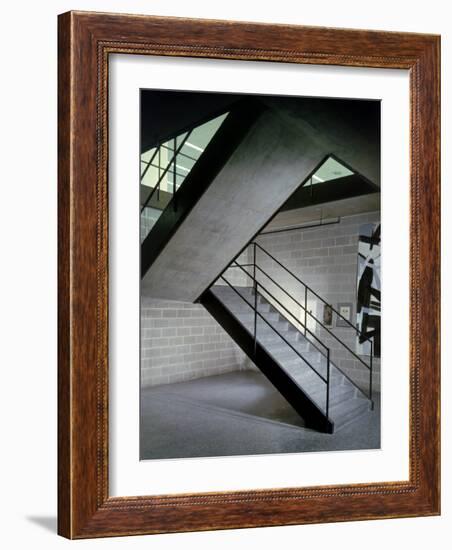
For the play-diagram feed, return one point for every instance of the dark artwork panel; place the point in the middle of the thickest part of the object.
(368, 310)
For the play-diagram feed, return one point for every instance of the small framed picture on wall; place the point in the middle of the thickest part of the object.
(327, 315)
(344, 319)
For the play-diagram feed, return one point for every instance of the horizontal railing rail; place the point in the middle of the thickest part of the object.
(291, 317)
(285, 308)
(363, 338)
(327, 352)
(312, 316)
(308, 287)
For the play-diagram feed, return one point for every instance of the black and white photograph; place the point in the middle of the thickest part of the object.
(257, 213)
(344, 319)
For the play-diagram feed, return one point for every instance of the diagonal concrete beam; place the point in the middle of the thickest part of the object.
(283, 147)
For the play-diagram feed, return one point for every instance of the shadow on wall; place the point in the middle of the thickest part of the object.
(49, 523)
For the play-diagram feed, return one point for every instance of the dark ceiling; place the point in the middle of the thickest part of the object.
(165, 114)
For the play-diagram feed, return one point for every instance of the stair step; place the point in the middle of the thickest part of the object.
(270, 335)
(338, 392)
(341, 393)
(308, 380)
(311, 381)
(269, 316)
(345, 412)
(286, 354)
(274, 339)
(238, 306)
(273, 329)
(342, 398)
(297, 365)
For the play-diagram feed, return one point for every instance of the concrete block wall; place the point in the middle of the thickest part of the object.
(181, 341)
(325, 258)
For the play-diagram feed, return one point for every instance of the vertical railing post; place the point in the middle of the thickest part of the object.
(254, 262)
(255, 297)
(158, 183)
(327, 382)
(305, 307)
(371, 374)
(174, 172)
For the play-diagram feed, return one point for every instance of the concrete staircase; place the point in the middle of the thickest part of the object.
(285, 344)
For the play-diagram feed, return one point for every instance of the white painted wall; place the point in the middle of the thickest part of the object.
(28, 275)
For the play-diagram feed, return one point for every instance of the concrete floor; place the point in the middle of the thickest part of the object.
(238, 413)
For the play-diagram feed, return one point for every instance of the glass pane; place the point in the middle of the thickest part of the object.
(164, 168)
(201, 136)
(331, 169)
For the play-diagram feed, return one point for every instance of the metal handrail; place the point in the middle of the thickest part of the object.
(327, 354)
(272, 327)
(177, 151)
(173, 160)
(317, 320)
(308, 287)
(148, 164)
(242, 266)
(308, 313)
(357, 331)
(181, 154)
(177, 173)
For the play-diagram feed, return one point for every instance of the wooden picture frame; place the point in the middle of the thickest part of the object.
(85, 508)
